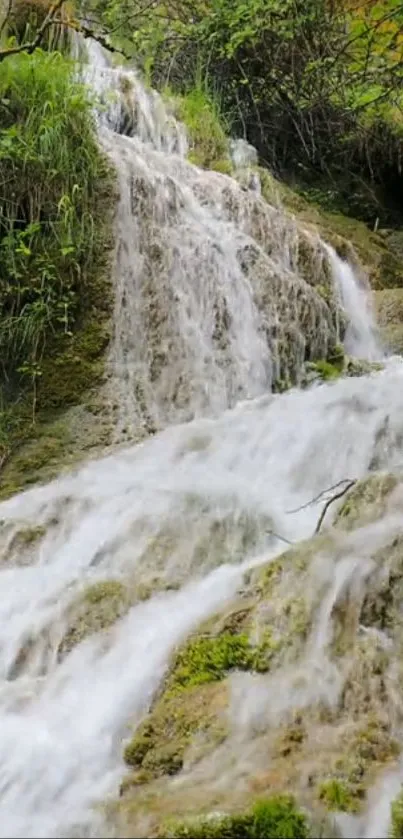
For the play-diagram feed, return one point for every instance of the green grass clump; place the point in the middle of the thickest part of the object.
(272, 818)
(209, 659)
(336, 795)
(396, 813)
(207, 133)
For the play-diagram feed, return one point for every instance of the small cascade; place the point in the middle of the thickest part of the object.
(219, 296)
(361, 339)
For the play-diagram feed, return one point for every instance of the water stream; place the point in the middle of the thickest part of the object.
(227, 454)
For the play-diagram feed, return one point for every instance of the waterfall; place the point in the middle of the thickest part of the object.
(209, 286)
(361, 338)
(219, 295)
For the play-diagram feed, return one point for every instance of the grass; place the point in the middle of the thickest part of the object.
(336, 795)
(54, 188)
(207, 129)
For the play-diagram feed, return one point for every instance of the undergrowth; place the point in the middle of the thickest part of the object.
(54, 187)
(207, 129)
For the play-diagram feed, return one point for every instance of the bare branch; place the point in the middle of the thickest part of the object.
(281, 538)
(330, 501)
(318, 497)
(31, 46)
(6, 17)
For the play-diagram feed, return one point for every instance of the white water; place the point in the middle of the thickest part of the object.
(361, 339)
(148, 514)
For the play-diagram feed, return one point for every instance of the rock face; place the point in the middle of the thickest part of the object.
(291, 688)
(389, 309)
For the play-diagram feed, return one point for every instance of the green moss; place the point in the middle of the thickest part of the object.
(209, 659)
(337, 795)
(325, 370)
(97, 608)
(396, 817)
(276, 817)
(177, 722)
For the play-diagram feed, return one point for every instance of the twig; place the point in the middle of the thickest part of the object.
(281, 538)
(31, 46)
(6, 17)
(330, 501)
(318, 497)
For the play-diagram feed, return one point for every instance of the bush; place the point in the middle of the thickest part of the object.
(271, 818)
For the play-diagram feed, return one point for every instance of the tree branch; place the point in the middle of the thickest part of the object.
(31, 46)
(330, 501)
(318, 497)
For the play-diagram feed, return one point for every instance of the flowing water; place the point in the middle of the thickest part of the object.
(187, 510)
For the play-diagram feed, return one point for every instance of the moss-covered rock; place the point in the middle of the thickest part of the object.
(389, 312)
(190, 723)
(380, 255)
(366, 501)
(99, 607)
(338, 795)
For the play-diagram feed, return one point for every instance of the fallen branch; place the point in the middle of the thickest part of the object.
(281, 538)
(330, 501)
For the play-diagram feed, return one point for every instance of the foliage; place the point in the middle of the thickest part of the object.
(396, 812)
(52, 177)
(316, 86)
(200, 112)
(275, 818)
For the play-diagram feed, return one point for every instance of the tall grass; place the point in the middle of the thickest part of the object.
(50, 167)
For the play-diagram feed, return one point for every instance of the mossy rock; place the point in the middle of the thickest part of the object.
(381, 257)
(366, 501)
(338, 795)
(196, 717)
(97, 608)
(389, 313)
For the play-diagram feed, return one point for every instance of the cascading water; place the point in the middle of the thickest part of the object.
(361, 338)
(181, 515)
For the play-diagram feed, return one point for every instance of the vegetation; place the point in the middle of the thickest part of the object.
(208, 659)
(396, 810)
(277, 817)
(314, 85)
(337, 795)
(207, 132)
(54, 237)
